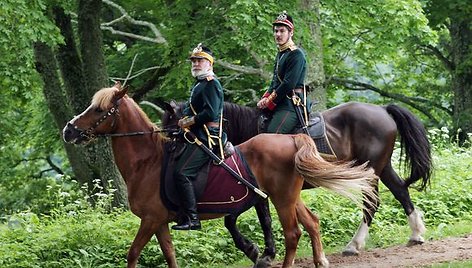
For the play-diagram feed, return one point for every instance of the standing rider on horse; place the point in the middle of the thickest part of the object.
(203, 116)
(288, 79)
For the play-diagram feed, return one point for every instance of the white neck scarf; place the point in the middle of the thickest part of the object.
(203, 74)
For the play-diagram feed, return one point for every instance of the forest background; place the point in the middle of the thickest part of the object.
(56, 54)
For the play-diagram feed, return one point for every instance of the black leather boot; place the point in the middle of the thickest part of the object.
(189, 204)
(191, 223)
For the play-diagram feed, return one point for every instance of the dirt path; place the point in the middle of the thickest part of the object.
(431, 252)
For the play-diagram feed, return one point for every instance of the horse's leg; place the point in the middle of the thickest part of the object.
(357, 242)
(397, 186)
(249, 248)
(146, 230)
(263, 213)
(165, 242)
(311, 223)
(288, 219)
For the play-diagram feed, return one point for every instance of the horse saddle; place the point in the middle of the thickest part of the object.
(216, 190)
(317, 131)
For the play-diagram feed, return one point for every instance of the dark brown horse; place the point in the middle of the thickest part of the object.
(360, 132)
(280, 164)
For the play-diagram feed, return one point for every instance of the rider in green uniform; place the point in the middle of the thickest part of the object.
(203, 117)
(288, 79)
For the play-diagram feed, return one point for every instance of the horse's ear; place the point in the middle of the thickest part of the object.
(173, 104)
(117, 85)
(163, 105)
(120, 93)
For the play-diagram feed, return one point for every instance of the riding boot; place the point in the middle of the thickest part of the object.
(190, 221)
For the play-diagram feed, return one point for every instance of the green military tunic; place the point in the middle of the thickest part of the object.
(289, 74)
(206, 105)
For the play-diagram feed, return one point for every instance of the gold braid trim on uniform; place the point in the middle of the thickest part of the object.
(272, 96)
(211, 142)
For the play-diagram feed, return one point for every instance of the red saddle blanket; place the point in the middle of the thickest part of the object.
(216, 189)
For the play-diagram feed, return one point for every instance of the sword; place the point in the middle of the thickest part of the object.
(296, 104)
(222, 163)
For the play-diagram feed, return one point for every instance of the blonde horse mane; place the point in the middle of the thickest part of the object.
(103, 99)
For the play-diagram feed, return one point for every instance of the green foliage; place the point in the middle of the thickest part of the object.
(380, 43)
(48, 222)
(375, 42)
(439, 11)
(29, 140)
(77, 235)
(238, 32)
(28, 137)
(22, 23)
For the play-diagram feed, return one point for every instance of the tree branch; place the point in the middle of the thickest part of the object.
(54, 166)
(157, 38)
(411, 101)
(150, 84)
(245, 69)
(449, 64)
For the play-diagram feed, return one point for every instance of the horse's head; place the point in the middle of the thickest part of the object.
(98, 118)
(172, 113)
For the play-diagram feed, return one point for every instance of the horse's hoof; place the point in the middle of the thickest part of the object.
(263, 262)
(324, 263)
(350, 252)
(412, 242)
(253, 253)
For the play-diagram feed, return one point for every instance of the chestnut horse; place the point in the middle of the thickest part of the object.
(357, 131)
(280, 164)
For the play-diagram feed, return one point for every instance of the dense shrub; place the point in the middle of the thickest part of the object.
(74, 234)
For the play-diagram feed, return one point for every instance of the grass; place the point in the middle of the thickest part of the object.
(81, 236)
(454, 264)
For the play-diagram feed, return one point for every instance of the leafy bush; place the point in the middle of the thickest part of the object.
(72, 233)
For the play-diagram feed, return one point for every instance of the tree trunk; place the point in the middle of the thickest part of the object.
(461, 53)
(47, 67)
(315, 76)
(70, 63)
(95, 74)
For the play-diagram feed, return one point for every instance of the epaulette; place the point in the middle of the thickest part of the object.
(209, 78)
(293, 47)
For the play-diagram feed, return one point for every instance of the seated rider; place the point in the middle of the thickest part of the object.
(288, 79)
(203, 117)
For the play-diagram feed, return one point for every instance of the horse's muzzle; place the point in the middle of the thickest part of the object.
(71, 134)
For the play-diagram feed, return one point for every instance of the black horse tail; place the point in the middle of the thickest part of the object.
(414, 144)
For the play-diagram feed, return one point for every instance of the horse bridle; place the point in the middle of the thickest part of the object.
(89, 134)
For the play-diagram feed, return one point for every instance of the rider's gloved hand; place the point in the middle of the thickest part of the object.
(186, 122)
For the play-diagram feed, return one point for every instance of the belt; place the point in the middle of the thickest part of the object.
(212, 124)
(298, 90)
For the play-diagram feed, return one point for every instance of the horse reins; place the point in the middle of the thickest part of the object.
(137, 133)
